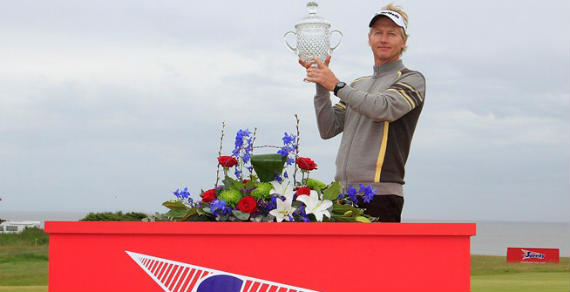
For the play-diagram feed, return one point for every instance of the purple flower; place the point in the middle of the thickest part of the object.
(242, 150)
(288, 139)
(219, 207)
(272, 204)
(288, 148)
(181, 195)
(301, 213)
(351, 193)
(367, 193)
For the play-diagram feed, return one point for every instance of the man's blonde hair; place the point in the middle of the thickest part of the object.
(396, 8)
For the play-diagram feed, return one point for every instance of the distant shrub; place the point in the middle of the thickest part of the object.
(117, 216)
(29, 236)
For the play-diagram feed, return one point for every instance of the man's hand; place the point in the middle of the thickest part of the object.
(305, 64)
(321, 74)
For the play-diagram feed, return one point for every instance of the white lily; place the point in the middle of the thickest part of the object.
(284, 189)
(315, 206)
(283, 210)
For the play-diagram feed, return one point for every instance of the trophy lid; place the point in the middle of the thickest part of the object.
(313, 18)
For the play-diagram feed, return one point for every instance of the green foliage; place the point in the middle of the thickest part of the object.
(262, 191)
(231, 196)
(174, 205)
(243, 216)
(317, 185)
(267, 166)
(24, 258)
(230, 183)
(349, 213)
(30, 236)
(331, 193)
(117, 216)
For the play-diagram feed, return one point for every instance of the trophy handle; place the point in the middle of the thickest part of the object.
(341, 35)
(294, 49)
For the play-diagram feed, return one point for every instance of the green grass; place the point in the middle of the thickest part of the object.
(24, 267)
(493, 273)
(23, 288)
(23, 260)
(519, 282)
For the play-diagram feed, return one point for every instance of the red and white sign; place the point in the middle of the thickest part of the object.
(533, 255)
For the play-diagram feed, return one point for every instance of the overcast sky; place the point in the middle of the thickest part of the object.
(112, 105)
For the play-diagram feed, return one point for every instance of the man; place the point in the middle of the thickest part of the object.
(377, 115)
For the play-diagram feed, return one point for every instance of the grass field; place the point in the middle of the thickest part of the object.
(492, 273)
(24, 267)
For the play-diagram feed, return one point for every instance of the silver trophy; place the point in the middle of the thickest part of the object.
(313, 36)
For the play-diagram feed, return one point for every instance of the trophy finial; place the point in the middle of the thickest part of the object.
(312, 7)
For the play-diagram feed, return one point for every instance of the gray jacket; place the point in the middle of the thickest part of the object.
(377, 115)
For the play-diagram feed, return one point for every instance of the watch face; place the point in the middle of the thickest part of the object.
(339, 86)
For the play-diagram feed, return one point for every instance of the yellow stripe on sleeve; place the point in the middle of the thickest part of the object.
(412, 89)
(341, 106)
(382, 152)
(400, 94)
(403, 93)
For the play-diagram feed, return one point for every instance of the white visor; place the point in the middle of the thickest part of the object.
(394, 16)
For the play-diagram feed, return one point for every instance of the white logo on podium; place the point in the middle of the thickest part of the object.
(174, 276)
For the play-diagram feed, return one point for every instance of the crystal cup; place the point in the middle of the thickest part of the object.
(312, 36)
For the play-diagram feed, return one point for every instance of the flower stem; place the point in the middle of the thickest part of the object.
(220, 153)
(251, 152)
(296, 151)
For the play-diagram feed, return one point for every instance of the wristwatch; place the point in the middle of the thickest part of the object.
(338, 87)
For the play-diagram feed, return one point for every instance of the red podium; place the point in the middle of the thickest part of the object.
(259, 257)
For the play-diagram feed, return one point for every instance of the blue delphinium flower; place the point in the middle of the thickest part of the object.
(272, 204)
(219, 207)
(367, 193)
(242, 151)
(301, 212)
(182, 195)
(288, 149)
(351, 192)
(283, 152)
(240, 135)
(288, 139)
(278, 178)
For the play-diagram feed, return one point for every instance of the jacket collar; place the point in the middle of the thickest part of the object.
(388, 68)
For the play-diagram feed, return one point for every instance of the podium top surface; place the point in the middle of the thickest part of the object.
(251, 228)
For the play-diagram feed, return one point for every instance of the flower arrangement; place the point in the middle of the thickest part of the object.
(261, 189)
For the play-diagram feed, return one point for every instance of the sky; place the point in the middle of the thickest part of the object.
(112, 105)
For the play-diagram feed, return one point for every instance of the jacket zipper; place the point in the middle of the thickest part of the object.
(352, 138)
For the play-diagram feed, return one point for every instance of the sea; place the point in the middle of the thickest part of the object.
(492, 238)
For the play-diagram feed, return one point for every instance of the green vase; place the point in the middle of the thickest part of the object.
(267, 166)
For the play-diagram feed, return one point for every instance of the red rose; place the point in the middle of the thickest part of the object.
(247, 204)
(227, 161)
(245, 181)
(208, 195)
(306, 163)
(303, 191)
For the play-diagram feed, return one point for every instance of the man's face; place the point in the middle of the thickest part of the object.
(385, 39)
